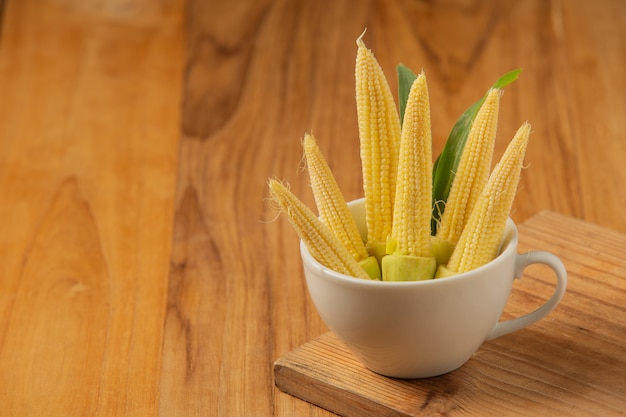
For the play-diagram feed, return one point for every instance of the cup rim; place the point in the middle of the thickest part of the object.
(508, 242)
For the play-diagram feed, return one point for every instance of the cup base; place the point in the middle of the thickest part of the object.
(422, 372)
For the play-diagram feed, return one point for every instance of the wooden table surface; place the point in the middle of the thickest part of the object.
(142, 271)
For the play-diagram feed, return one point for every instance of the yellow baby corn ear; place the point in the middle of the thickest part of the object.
(379, 131)
(332, 207)
(470, 178)
(321, 242)
(481, 237)
(409, 257)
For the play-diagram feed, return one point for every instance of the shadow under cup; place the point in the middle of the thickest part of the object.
(420, 329)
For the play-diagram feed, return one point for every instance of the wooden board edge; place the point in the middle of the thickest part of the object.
(296, 380)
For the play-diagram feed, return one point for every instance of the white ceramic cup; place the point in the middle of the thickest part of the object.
(424, 328)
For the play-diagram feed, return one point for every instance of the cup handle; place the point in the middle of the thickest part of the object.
(521, 262)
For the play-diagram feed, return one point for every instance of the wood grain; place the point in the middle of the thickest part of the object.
(87, 167)
(142, 269)
(1, 13)
(570, 363)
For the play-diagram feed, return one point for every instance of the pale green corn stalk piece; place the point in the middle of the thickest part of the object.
(332, 207)
(470, 179)
(480, 240)
(321, 242)
(408, 248)
(379, 132)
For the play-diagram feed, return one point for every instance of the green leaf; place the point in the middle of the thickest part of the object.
(446, 164)
(506, 79)
(405, 81)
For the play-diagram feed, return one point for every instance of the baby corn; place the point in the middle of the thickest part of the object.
(481, 237)
(470, 179)
(321, 242)
(408, 248)
(332, 207)
(379, 131)
(398, 184)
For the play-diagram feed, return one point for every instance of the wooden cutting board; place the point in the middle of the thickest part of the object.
(572, 362)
